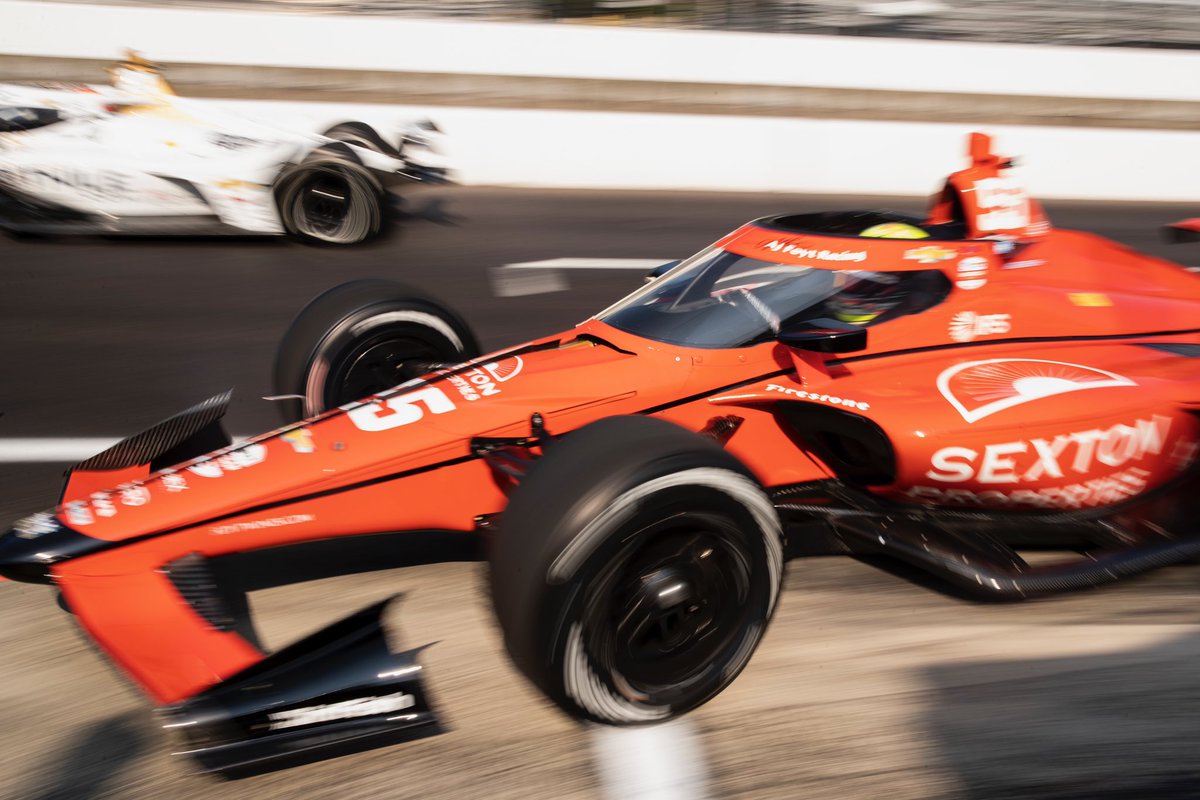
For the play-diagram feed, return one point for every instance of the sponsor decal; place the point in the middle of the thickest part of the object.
(833, 400)
(795, 247)
(1090, 299)
(967, 325)
(347, 709)
(482, 381)
(403, 409)
(972, 273)
(929, 254)
(206, 469)
(1030, 460)
(1101, 491)
(229, 141)
(103, 505)
(246, 456)
(174, 482)
(1007, 201)
(93, 185)
(1025, 264)
(301, 440)
(978, 389)
(135, 495)
(35, 525)
(78, 513)
(260, 524)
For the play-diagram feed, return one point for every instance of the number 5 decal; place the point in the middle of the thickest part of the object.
(403, 409)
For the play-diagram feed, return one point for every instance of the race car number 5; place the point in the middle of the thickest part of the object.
(403, 409)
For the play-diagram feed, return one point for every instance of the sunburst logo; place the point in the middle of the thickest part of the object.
(505, 369)
(979, 389)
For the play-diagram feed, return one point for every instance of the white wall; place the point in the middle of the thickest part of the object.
(580, 149)
(678, 151)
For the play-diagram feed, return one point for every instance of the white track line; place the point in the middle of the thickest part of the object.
(50, 450)
(651, 762)
(31, 451)
(540, 277)
(589, 263)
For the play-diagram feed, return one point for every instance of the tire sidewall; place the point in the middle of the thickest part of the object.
(365, 198)
(548, 564)
(327, 328)
(379, 321)
(575, 673)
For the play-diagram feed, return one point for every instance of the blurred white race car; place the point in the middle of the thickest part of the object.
(134, 158)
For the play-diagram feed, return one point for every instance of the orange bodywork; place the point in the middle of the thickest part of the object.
(1047, 378)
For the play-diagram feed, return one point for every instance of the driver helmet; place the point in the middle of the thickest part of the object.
(895, 230)
(868, 295)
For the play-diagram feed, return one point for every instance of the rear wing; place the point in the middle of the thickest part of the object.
(139, 81)
(986, 200)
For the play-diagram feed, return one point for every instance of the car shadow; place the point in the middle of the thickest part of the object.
(91, 764)
(432, 208)
(1120, 726)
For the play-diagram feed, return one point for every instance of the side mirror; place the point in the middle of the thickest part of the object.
(661, 269)
(824, 336)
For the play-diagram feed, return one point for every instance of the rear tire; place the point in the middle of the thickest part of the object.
(635, 571)
(331, 201)
(362, 135)
(361, 338)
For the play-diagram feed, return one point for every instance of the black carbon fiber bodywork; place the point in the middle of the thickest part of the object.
(975, 552)
(166, 441)
(337, 691)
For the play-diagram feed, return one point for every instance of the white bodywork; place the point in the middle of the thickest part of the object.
(134, 152)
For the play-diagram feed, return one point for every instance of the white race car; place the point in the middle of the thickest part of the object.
(134, 157)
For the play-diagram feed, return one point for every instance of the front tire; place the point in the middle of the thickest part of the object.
(635, 571)
(361, 338)
(330, 201)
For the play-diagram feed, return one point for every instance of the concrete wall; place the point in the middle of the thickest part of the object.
(750, 112)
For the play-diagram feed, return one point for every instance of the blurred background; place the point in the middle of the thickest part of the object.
(1121, 23)
(609, 133)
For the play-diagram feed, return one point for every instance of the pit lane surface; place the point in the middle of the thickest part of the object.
(867, 684)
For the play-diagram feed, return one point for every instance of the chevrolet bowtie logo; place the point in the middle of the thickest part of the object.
(929, 254)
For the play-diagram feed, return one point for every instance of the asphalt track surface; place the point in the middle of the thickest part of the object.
(867, 684)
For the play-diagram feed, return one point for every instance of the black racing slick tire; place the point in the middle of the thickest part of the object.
(635, 570)
(360, 338)
(330, 200)
(362, 135)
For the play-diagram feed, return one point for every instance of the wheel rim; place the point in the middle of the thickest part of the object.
(323, 203)
(380, 362)
(671, 608)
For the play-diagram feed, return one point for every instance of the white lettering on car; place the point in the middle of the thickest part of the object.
(244, 456)
(103, 505)
(1026, 461)
(259, 524)
(967, 325)
(1103, 490)
(795, 249)
(403, 409)
(820, 398)
(1008, 199)
(174, 482)
(972, 273)
(347, 709)
(481, 381)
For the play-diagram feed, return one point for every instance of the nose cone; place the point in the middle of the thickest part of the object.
(37, 542)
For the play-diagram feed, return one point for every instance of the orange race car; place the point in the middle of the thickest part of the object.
(942, 390)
